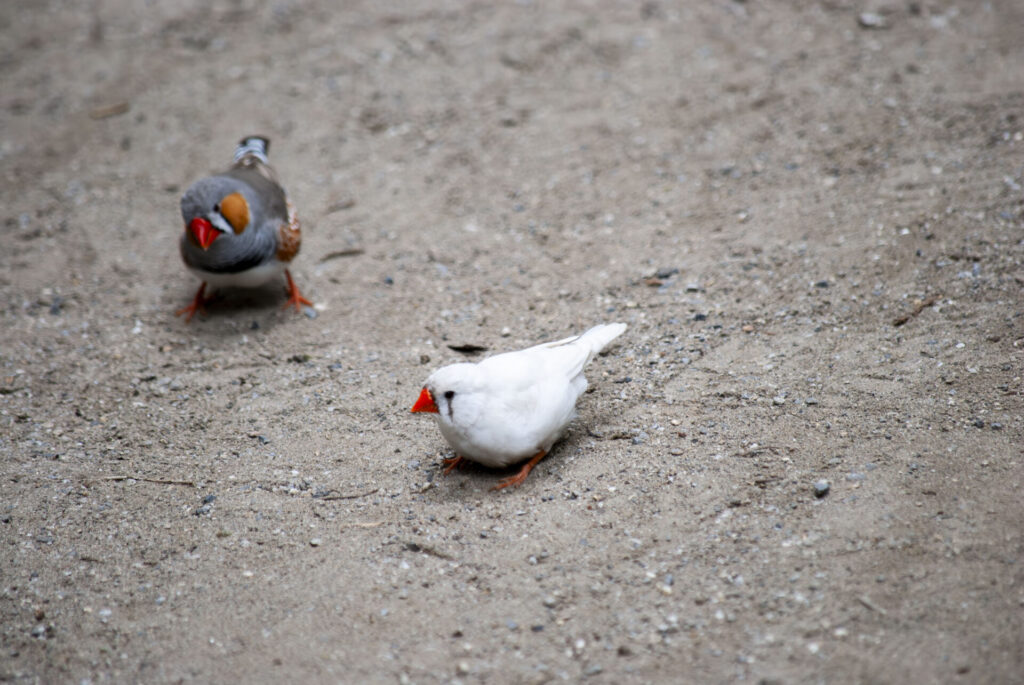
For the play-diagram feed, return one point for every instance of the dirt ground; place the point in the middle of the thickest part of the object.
(810, 214)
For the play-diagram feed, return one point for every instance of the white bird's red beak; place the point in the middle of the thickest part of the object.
(425, 403)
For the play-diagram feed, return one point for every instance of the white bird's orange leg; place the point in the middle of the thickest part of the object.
(453, 463)
(294, 296)
(523, 472)
(198, 304)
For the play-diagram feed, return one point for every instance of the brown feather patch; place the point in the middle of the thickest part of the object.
(289, 238)
(235, 209)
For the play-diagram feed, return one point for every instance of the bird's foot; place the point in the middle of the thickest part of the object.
(523, 472)
(294, 296)
(452, 463)
(198, 304)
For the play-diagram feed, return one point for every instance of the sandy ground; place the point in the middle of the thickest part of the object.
(812, 221)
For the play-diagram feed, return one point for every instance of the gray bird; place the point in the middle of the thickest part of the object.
(240, 227)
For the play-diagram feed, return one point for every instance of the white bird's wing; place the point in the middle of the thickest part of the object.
(560, 361)
(570, 355)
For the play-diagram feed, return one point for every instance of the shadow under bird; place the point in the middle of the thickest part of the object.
(513, 406)
(240, 228)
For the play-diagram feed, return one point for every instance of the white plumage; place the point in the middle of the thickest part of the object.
(516, 405)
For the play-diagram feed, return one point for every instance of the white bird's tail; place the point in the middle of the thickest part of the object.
(598, 337)
(592, 342)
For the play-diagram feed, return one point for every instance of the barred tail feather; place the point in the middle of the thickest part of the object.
(253, 146)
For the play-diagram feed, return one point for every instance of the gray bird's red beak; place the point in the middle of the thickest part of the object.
(425, 403)
(203, 231)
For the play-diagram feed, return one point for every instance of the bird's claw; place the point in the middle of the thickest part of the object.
(198, 304)
(295, 298)
(451, 463)
(523, 472)
(512, 480)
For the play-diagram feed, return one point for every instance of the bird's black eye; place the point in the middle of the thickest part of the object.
(216, 208)
(449, 394)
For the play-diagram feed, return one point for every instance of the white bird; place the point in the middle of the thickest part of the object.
(512, 406)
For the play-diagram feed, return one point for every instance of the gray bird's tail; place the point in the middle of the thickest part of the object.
(253, 146)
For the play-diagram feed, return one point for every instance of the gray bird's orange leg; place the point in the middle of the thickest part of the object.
(523, 472)
(198, 304)
(294, 296)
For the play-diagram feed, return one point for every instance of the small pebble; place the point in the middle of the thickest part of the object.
(871, 20)
(821, 488)
(315, 542)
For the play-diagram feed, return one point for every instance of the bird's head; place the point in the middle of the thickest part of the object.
(213, 208)
(447, 388)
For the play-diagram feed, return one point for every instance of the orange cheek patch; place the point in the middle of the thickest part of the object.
(235, 209)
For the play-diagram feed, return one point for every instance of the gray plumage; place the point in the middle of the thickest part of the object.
(231, 252)
(240, 229)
